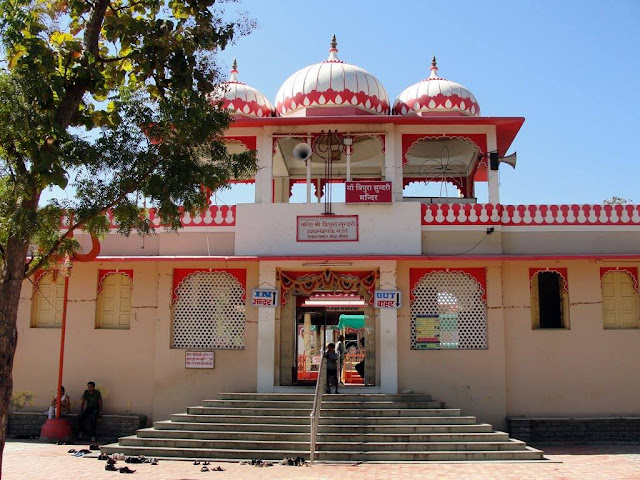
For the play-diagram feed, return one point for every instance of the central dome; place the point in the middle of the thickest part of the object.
(332, 87)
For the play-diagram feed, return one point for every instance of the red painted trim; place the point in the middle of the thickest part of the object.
(632, 271)
(179, 274)
(93, 253)
(506, 127)
(250, 142)
(102, 274)
(289, 278)
(332, 258)
(479, 274)
(560, 271)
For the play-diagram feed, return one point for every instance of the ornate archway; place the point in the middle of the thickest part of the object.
(292, 283)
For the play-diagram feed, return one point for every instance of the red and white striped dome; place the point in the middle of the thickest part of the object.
(331, 84)
(436, 96)
(240, 98)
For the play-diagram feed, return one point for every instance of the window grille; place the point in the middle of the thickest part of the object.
(209, 312)
(448, 312)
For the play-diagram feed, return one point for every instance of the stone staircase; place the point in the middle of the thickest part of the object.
(353, 427)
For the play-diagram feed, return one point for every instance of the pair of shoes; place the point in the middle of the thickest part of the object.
(220, 469)
(154, 461)
(204, 468)
(126, 470)
(197, 462)
(109, 467)
(94, 446)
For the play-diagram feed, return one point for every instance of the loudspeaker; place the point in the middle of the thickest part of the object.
(495, 161)
(302, 151)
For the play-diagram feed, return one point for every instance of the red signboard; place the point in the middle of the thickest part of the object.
(368, 192)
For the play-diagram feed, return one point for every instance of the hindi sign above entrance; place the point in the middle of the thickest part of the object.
(368, 192)
(327, 228)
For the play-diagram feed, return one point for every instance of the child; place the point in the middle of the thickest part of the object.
(332, 366)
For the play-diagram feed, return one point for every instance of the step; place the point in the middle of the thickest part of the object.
(403, 420)
(407, 429)
(389, 412)
(233, 433)
(189, 443)
(238, 427)
(360, 397)
(339, 447)
(331, 402)
(351, 456)
(184, 417)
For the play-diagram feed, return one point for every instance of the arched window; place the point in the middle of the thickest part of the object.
(47, 301)
(113, 308)
(619, 300)
(549, 299)
(448, 311)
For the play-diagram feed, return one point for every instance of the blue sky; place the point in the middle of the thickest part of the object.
(570, 68)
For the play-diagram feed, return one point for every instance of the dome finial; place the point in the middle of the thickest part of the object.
(234, 71)
(333, 51)
(434, 68)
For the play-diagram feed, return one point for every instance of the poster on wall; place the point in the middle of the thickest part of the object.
(427, 332)
(199, 359)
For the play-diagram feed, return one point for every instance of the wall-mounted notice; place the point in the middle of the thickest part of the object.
(427, 332)
(327, 228)
(387, 299)
(199, 359)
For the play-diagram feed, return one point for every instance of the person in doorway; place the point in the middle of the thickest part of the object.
(332, 366)
(65, 404)
(91, 407)
(360, 365)
(341, 351)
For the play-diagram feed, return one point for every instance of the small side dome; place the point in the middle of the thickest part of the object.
(436, 96)
(240, 98)
(332, 87)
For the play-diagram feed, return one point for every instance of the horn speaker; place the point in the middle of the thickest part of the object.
(302, 151)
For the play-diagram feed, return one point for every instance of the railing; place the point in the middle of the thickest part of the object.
(321, 384)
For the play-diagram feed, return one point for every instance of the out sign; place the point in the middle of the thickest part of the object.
(387, 299)
(262, 297)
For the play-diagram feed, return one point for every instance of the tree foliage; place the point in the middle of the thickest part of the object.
(107, 98)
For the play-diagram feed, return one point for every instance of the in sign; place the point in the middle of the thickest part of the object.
(387, 299)
(262, 297)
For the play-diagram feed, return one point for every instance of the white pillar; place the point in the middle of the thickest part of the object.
(264, 175)
(493, 176)
(266, 334)
(393, 165)
(388, 331)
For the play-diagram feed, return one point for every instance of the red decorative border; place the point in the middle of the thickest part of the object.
(288, 279)
(529, 215)
(298, 217)
(409, 139)
(478, 274)
(405, 107)
(179, 274)
(38, 274)
(250, 142)
(330, 97)
(102, 274)
(632, 271)
(560, 271)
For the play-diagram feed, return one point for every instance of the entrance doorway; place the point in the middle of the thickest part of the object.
(317, 309)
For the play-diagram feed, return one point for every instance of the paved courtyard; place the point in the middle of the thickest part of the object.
(32, 460)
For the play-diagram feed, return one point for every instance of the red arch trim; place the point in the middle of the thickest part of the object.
(179, 274)
(478, 274)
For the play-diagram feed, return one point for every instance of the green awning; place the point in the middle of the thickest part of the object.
(351, 321)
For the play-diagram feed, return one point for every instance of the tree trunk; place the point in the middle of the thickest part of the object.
(10, 287)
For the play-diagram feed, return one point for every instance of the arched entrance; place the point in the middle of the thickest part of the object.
(307, 302)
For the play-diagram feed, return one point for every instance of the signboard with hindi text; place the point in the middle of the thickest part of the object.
(263, 297)
(199, 359)
(368, 192)
(327, 228)
(387, 299)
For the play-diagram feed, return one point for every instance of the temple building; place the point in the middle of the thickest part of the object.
(365, 223)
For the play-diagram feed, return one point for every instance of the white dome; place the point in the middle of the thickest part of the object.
(332, 84)
(436, 96)
(240, 98)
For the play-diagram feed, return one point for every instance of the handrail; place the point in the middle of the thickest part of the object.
(321, 384)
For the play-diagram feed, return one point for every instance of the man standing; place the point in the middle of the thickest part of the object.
(91, 407)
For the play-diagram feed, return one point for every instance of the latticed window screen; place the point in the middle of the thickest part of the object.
(48, 300)
(209, 312)
(448, 312)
